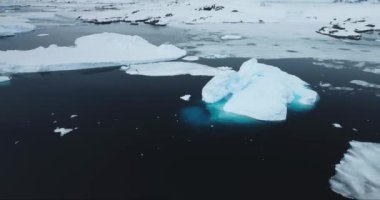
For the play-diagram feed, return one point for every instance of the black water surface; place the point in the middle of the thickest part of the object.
(133, 143)
(129, 143)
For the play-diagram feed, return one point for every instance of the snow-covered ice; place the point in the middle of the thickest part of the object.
(92, 51)
(172, 69)
(258, 91)
(358, 173)
(365, 84)
(63, 131)
(186, 97)
(10, 26)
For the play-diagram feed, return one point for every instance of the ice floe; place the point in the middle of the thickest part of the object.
(10, 26)
(92, 51)
(172, 69)
(63, 131)
(348, 28)
(365, 84)
(186, 97)
(358, 173)
(259, 91)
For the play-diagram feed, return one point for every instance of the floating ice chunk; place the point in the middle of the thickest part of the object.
(186, 97)
(92, 51)
(63, 131)
(9, 26)
(258, 91)
(171, 69)
(73, 116)
(324, 84)
(358, 173)
(4, 79)
(231, 37)
(190, 58)
(336, 125)
(365, 84)
(42, 34)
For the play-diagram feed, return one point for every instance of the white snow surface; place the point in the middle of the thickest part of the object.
(10, 26)
(172, 69)
(278, 30)
(92, 51)
(63, 131)
(357, 175)
(258, 91)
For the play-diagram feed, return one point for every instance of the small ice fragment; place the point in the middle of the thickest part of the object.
(336, 125)
(324, 84)
(190, 58)
(16, 142)
(354, 129)
(186, 97)
(73, 116)
(63, 131)
(231, 37)
(42, 35)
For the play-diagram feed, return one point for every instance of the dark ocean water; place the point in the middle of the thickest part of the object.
(133, 140)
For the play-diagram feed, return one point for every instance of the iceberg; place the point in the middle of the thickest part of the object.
(258, 91)
(358, 173)
(172, 69)
(91, 51)
(10, 26)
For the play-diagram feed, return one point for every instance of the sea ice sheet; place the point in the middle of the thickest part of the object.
(172, 69)
(91, 51)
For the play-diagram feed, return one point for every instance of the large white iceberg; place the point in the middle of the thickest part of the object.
(9, 26)
(173, 69)
(92, 51)
(258, 91)
(358, 173)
